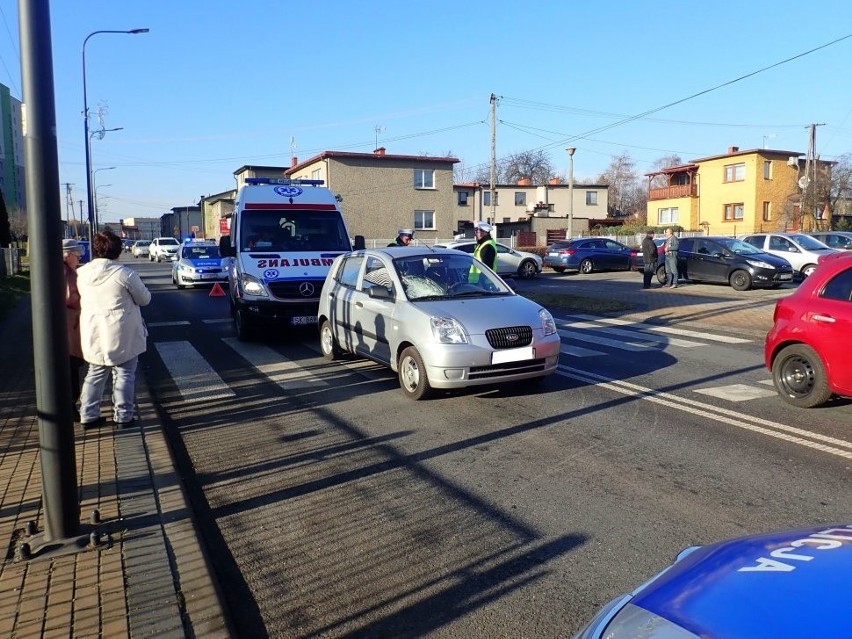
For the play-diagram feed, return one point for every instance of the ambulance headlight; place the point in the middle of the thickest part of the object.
(252, 286)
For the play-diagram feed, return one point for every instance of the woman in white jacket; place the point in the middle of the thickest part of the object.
(112, 331)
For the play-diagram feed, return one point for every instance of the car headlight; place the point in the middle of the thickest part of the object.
(547, 323)
(185, 267)
(446, 330)
(252, 286)
(761, 264)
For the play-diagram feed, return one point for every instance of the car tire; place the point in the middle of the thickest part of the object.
(328, 342)
(412, 375)
(243, 325)
(558, 269)
(808, 269)
(661, 274)
(527, 270)
(740, 280)
(799, 376)
(587, 267)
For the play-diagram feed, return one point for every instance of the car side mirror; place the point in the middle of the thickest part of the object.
(225, 248)
(380, 292)
(719, 254)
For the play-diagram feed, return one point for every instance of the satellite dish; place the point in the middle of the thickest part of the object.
(804, 181)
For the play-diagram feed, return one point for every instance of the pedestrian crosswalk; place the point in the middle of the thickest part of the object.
(583, 336)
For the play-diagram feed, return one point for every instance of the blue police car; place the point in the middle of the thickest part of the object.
(198, 262)
(794, 583)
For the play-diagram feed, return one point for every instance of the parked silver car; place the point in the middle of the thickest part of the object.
(802, 251)
(140, 248)
(835, 239)
(437, 317)
(510, 262)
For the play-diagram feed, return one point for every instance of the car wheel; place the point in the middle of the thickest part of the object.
(242, 325)
(740, 280)
(412, 375)
(661, 274)
(586, 267)
(527, 270)
(328, 342)
(808, 269)
(799, 376)
(558, 269)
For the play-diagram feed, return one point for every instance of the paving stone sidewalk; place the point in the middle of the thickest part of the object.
(150, 578)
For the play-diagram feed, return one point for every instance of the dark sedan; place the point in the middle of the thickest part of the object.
(730, 261)
(589, 254)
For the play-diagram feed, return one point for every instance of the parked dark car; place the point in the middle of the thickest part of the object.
(639, 260)
(835, 239)
(726, 260)
(589, 254)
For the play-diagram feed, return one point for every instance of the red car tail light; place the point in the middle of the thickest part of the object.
(567, 251)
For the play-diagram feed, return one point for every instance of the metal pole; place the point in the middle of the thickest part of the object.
(88, 140)
(570, 150)
(493, 176)
(50, 341)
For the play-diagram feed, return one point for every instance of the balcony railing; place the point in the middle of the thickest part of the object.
(680, 190)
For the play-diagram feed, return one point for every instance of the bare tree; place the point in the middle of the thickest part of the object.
(625, 191)
(18, 224)
(533, 165)
(663, 163)
(840, 183)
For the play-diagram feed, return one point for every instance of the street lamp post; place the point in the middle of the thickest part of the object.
(570, 150)
(87, 140)
(95, 218)
(100, 133)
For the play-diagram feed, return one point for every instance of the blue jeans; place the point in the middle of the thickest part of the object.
(123, 391)
(671, 270)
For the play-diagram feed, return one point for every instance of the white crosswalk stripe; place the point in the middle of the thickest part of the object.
(194, 377)
(671, 330)
(633, 334)
(634, 345)
(287, 374)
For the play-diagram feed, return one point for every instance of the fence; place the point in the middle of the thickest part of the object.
(10, 261)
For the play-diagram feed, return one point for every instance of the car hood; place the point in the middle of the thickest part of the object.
(769, 258)
(787, 584)
(478, 314)
(206, 262)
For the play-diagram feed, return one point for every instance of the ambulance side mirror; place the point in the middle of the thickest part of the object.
(359, 243)
(225, 248)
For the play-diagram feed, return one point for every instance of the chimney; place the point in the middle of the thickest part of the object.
(733, 149)
(524, 181)
(380, 151)
(553, 181)
(293, 161)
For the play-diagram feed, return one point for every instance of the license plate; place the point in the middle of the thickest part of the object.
(303, 320)
(552, 254)
(785, 276)
(513, 355)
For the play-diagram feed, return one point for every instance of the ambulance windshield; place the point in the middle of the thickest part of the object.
(278, 231)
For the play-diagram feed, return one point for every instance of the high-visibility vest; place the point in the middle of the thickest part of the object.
(473, 275)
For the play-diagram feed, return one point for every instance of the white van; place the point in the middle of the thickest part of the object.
(284, 236)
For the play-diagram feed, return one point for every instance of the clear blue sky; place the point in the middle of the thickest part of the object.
(217, 84)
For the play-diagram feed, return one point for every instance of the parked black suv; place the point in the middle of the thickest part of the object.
(724, 259)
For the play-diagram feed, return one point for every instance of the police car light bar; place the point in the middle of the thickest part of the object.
(286, 181)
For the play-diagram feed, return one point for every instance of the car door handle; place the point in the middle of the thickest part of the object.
(359, 304)
(827, 319)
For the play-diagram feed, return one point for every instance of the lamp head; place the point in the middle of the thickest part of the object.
(134, 31)
(571, 150)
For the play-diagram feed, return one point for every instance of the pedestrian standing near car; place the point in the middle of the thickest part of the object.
(649, 257)
(485, 250)
(112, 331)
(671, 246)
(403, 238)
(72, 251)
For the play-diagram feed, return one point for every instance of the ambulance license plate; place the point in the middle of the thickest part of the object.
(303, 320)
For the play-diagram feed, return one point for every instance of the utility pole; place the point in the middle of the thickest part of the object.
(70, 217)
(493, 179)
(808, 182)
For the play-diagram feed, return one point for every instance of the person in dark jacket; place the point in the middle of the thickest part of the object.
(403, 238)
(649, 256)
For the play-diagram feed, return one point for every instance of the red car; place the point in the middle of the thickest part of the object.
(809, 348)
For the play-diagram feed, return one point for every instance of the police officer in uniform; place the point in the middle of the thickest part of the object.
(485, 251)
(403, 238)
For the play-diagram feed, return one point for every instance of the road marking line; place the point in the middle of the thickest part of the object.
(733, 418)
(195, 378)
(603, 341)
(161, 324)
(221, 320)
(665, 329)
(660, 339)
(280, 370)
(736, 392)
(579, 351)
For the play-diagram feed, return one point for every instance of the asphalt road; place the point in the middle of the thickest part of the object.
(333, 506)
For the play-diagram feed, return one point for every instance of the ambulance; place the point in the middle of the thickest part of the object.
(283, 238)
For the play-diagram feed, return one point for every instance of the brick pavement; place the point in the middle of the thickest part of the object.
(151, 577)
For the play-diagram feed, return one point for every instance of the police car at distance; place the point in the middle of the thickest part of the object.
(510, 262)
(198, 262)
(437, 317)
(781, 585)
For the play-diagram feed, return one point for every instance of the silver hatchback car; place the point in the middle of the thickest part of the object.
(802, 251)
(510, 262)
(437, 317)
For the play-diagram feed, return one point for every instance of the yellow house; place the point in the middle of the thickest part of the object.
(732, 194)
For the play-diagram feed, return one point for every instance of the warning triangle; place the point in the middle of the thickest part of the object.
(217, 291)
